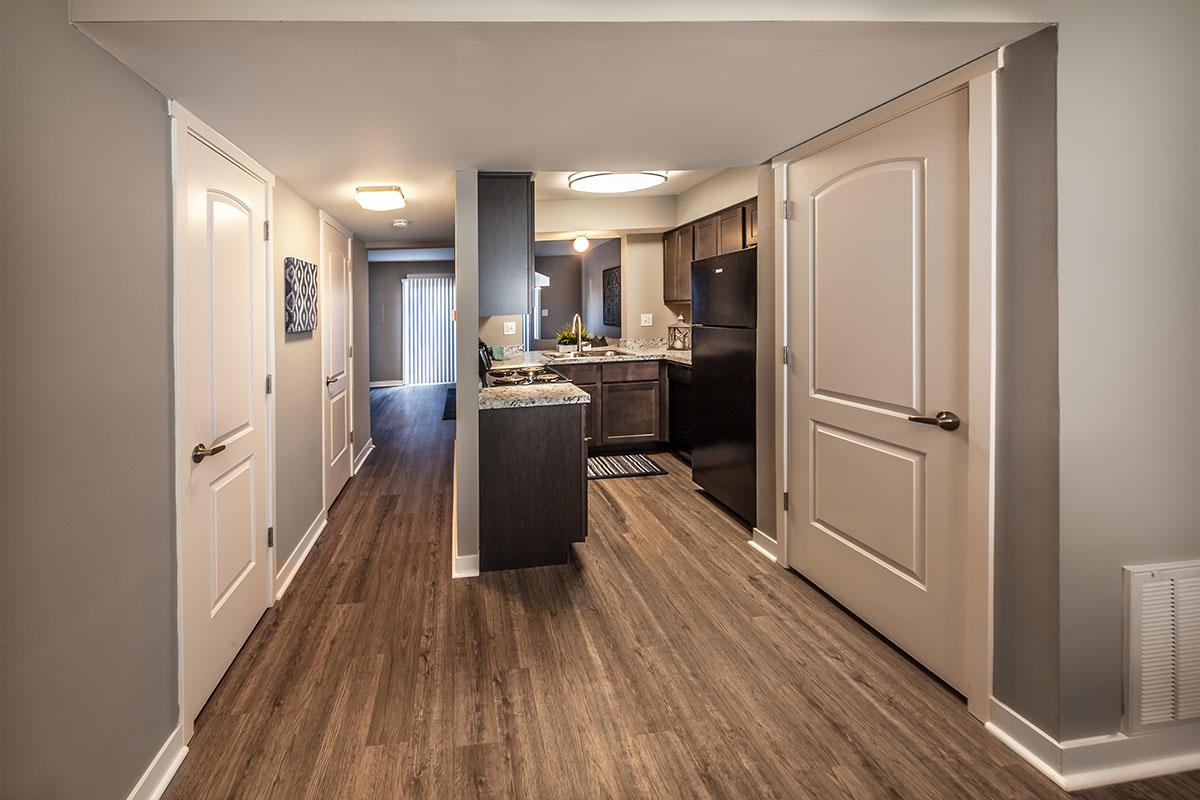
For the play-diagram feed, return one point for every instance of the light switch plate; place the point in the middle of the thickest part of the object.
(647, 320)
(510, 328)
(545, 312)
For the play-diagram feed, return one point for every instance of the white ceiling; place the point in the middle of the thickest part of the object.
(331, 106)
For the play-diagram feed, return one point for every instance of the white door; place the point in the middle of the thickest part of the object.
(335, 272)
(222, 362)
(878, 270)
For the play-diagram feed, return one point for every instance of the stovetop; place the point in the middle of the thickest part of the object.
(533, 375)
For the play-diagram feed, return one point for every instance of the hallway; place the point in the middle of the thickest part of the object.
(669, 661)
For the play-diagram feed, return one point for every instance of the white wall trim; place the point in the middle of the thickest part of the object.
(1086, 763)
(290, 567)
(386, 384)
(361, 458)
(157, 777)
(325, 216)
(764, 545)
(466, 566)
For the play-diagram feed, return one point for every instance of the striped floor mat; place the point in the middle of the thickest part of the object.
(622, 467)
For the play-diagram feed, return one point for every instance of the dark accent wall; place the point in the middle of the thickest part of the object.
(563, 298)
(88, 668)
(1027, 674)
(387, 313)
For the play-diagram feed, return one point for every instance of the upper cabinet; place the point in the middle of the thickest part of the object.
(505, 243)
(724, 232)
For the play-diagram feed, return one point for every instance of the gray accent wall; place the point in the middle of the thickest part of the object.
(298, 383)
(361, 341)
(597, 259)
(88, 667)
(563, 298)
(1026, 609)
(386, 317)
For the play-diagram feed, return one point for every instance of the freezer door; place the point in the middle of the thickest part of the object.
(725, 288)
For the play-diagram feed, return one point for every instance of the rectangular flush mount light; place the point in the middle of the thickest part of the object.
(379, 198)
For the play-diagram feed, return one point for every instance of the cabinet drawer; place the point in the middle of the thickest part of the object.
(578, 373)
(630, 371)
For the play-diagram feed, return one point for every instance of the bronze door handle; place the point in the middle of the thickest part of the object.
(200, 452)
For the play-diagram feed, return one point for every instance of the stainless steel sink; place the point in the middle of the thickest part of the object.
(595, 352)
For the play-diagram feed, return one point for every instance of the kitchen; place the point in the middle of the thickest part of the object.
(599, 407)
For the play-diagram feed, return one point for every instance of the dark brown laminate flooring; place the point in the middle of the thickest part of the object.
(669, 661)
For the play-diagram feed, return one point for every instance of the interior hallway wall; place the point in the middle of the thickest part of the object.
(386, 299)
(88, 667)
(563, 298)
(597, 259)
(361, 341)
(727, 188)
(642, 287)
(299, 384)
(767, 493)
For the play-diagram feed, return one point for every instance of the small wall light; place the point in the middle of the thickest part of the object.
(581, 244)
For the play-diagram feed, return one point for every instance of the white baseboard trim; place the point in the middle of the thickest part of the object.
(158, 775)
(1086, 763)
(362, 457)
(765, 545)
(283, 579)
(466, 566)
(385, 384)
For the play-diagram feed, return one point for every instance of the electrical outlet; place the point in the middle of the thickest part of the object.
(647, 320)
(510, 328)
(545, 312)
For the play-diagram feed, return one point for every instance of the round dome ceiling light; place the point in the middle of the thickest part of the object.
(581, 244)
(615, 182)
(379, 198)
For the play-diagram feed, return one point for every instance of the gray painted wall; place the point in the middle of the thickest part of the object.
(299, 384)
(360, 290)
(595, 261)
(386, 313)
(563, 298)
(87, 570)
(1027, 509)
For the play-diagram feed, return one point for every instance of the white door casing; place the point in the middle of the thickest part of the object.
(222, 352)
(878, 288)
(337, 338)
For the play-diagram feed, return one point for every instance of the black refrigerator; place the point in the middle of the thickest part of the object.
(724, 316)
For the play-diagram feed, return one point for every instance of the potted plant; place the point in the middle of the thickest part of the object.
(567, 339)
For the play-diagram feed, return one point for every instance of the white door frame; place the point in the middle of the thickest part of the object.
(184, 123)
(322, 288)
(980, 78)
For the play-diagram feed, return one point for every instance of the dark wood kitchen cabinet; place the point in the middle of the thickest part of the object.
(630, 412)
(679, 406)
(752, 223)
(706, 239)
(677, 265)
(731, 230)
(505, 243)
(592, 418)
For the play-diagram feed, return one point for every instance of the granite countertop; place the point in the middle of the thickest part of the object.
(556, 394)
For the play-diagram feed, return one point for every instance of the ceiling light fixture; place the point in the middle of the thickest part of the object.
(399, 223)
(581, 244)
(379, 198)
(615, 182)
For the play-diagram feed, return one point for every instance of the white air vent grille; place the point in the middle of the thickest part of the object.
(1163, 646)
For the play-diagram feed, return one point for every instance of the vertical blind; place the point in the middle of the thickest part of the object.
(428, 328)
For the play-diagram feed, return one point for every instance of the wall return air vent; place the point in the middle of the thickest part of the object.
(1162, 636)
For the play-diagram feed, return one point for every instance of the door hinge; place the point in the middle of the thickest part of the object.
(271, 536)
(351, 437)
(788, 209)
(270, 384)
(266, 230)
(785, 501)
(350, 351)
(784, 354)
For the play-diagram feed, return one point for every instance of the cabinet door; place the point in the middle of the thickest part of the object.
(706, 238)
(670, 265)
(679, 413)
(730, 231)
(752, 223)
(505, 243)
(593, 416)
(683, 264)
(629, 412)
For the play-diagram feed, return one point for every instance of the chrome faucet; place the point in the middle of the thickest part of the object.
(577, 329)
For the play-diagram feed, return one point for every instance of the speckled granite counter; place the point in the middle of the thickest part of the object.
(549, 394)
(555, 394)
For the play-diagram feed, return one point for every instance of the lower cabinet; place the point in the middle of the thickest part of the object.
(679, 406)
(629, 412)
(593, 416)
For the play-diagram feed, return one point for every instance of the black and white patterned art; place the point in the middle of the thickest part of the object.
(299, 295)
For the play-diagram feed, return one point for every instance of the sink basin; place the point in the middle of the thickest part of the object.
(595, 352)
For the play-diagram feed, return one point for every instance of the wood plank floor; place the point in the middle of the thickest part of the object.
(669, 661)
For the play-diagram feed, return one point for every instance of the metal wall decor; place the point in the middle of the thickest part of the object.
(611, 281)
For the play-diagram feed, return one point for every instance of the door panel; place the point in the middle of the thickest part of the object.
(877, 284)
(335, 269)
(222, 274)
